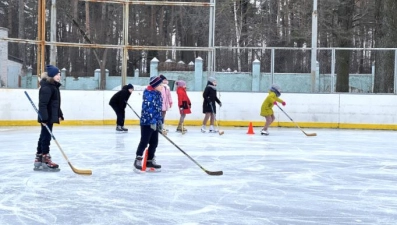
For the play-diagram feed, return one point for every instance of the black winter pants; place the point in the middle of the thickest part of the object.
(148, 136)
(43, 145)
(120, 113)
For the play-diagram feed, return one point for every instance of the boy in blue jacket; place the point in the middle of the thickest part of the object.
(151, 123)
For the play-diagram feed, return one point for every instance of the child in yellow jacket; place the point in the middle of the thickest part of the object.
(267, 106)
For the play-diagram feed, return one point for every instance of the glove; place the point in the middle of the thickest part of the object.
(153, 126)
(160, 126)
(275, 103)
(220, 104)
(283, 103)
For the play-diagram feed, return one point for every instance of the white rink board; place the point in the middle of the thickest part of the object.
(316, 108)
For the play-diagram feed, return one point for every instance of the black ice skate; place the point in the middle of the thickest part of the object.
(152, 164)
(138, 162)
(121, 129)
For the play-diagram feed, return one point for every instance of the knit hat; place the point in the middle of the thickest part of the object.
(276, 89)
(52, 71)
(155, 81)
(162, 76)
(130, 86)
(211, 79)
(181, 83)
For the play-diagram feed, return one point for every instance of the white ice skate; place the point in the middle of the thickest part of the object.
(264, 132)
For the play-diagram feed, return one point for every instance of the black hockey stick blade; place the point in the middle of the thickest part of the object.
(74, 169)
(214, 173)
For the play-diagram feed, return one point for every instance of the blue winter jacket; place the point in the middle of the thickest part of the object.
(151, 107)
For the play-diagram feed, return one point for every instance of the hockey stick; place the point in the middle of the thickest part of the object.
(216, 122)
(310, 134)
(214, 173)
(78, 171)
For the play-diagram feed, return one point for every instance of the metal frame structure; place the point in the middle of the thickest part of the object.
(41, 42)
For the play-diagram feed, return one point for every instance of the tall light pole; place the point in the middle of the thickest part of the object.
(315, 76)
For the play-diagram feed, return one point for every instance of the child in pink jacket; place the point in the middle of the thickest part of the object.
(166, 95)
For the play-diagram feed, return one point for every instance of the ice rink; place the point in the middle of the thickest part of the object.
(338, 177)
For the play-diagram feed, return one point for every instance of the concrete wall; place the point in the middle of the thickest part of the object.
(232, 82)
(3, 57)
(227, 81)
(309, 110)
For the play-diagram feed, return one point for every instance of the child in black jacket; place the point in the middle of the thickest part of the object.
(209, 108)
(118, 102)
(50, 113)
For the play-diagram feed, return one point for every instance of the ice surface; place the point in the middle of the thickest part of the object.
(338, 177)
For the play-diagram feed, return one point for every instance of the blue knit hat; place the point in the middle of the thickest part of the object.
(52, 71)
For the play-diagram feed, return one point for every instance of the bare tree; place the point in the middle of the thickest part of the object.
(343, 38)
(386, 37)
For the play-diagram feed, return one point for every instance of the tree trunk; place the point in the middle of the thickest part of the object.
(385, 37)
(88, 54)
(345, 25)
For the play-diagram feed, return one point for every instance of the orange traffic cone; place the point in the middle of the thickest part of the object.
(250, 129)
(144, 160)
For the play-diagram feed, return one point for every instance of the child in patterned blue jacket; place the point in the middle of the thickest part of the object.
(151, 123)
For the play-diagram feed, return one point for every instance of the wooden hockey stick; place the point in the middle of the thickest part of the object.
(307, 134)
(213, 173)
(78, 171)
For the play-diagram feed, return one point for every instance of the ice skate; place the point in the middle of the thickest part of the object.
(46, 164)
(264, 132)
(203, 129)
(181, 129)
(121, 129)
(138, 163)
(213, 130)
(152, 166)
(37, 162)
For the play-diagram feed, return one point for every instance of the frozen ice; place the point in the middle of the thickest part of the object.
(338, 177)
